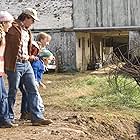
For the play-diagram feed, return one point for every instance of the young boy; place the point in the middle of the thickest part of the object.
(39, 65)
(43, 39)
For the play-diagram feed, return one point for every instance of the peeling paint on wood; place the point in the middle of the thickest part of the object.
(106, 13)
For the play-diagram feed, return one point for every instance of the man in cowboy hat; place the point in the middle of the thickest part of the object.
(18, 67)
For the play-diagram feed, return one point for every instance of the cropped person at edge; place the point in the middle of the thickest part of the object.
(6, 20)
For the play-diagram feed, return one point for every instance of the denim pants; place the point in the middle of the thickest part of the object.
(4, 110)
(25, 103)
(24, 73)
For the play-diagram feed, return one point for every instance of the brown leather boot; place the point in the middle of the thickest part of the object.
(41, 122)
(25, 116)
(8, 125)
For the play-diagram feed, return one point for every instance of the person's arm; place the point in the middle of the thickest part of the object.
(2, 35)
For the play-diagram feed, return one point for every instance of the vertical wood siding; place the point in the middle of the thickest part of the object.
(106, 13)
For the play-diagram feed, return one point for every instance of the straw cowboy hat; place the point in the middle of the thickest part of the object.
(32, 12)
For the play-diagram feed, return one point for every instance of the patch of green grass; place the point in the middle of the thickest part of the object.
(124, 95)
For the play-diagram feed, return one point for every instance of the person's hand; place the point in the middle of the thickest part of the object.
(51, 57)
(25, 57)
(33, 58)
(36, 58)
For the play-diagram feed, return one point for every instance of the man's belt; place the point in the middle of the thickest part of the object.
(21, 60)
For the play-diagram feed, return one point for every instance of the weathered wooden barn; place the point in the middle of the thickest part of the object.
(105, 24)
(83, 32)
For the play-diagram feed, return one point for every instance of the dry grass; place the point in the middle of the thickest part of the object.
(64, 87)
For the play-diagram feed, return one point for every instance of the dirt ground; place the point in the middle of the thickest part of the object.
(72, 124)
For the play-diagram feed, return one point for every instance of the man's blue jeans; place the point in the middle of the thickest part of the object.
(25, 103)
(24, 73)
(4, 110)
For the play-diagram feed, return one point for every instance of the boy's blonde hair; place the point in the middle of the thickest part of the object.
(43, 35)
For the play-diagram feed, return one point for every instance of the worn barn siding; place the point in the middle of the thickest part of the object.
(106, 13)
(82, 51)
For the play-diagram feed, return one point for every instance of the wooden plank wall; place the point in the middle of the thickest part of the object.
(106, 13)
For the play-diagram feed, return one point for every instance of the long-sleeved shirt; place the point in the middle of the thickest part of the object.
(38, 68)
(2, 49)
